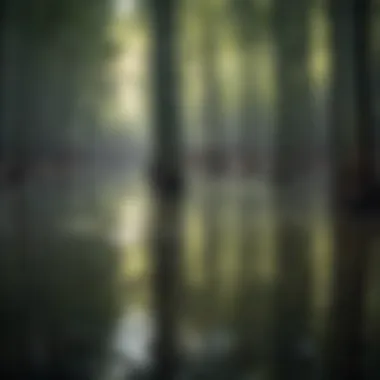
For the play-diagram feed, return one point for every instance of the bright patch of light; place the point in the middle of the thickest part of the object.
(125, 6)
(134, 336)
(132, 223)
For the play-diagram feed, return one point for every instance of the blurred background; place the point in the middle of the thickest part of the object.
(170, 183)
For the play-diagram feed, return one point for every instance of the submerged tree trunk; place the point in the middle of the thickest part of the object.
(293, 135)
(352, 239)
(168, 186)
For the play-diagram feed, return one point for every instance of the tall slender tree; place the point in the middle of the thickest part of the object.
(168, 186)
(251, 24)
(213, 149)
(3, 15)
(351, 39)
(293, 133)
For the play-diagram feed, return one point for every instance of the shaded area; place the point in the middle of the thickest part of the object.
(114, 270)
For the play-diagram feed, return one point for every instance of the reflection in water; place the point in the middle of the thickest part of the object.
(133, 218)
(207, 353)
(89, 280)
(130, 345)
(134, 336)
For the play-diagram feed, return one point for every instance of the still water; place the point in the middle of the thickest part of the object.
(77, 273)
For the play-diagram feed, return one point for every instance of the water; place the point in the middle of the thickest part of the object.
(89, 273)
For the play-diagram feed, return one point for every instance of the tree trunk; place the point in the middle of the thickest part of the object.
(3, 57)
(212, 139)
(249, 308)
(168, 187)
(293, 135)
(351, 238)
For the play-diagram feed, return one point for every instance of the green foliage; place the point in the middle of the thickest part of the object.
(66, 46)
(43, 20)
